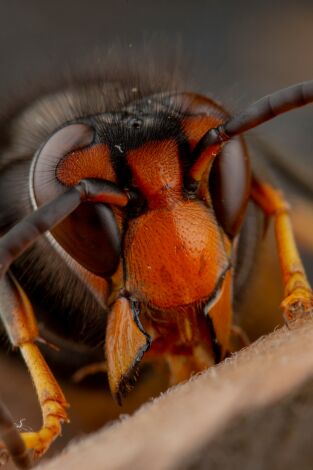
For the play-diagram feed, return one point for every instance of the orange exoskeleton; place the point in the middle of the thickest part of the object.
(143, 204)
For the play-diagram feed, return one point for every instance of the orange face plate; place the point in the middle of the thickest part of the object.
(93, 162)
(174, 252)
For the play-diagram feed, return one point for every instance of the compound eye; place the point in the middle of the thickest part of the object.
(90, 234)
(229, 186)
(63, 141)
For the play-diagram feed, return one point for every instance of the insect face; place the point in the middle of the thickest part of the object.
(142, 206)
(145, 152)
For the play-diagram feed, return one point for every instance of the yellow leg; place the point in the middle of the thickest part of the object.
(51, 400)
(298, 300)
(18, 318)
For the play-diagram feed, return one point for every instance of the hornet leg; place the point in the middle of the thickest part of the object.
(298, 301)
(17, 316)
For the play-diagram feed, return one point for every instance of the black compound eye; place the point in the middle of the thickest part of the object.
(90, 234)
(229, 186)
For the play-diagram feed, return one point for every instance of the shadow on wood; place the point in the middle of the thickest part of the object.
(249, 394)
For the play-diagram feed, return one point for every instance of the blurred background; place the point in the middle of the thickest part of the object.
(236, 51)
(239, 50)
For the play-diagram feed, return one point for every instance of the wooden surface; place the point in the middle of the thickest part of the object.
(175, 430)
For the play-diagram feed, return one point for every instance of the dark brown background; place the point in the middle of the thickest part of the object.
(239, 50)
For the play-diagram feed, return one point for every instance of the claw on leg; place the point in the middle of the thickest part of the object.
(298, 301)
(17, 316)
(298, 305)
(52, 402)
